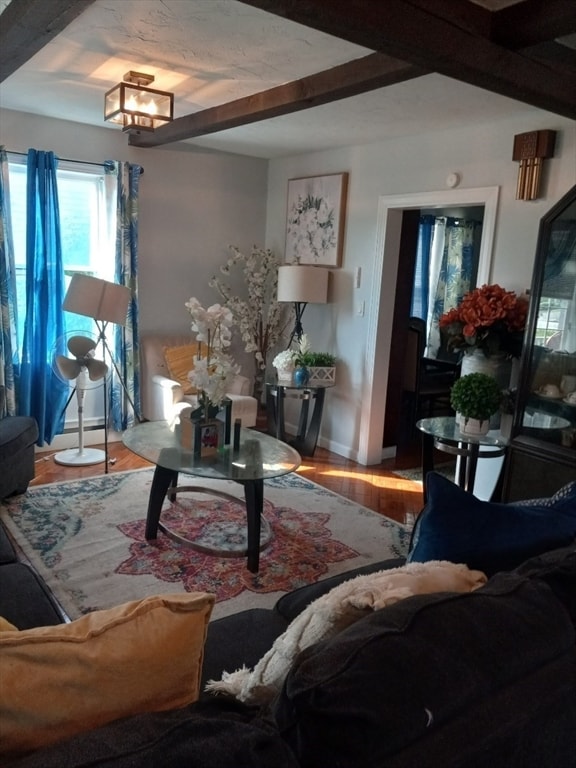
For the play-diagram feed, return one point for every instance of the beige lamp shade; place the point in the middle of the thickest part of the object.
(97, 298)
(303, 284)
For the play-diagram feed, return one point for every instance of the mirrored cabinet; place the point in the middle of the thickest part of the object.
(542, 452)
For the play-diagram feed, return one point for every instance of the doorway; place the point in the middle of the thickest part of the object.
(386, 270)
(416, 293)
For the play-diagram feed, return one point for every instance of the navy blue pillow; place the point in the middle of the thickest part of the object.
(455, 525)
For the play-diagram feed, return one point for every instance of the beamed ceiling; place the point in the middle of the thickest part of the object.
(310, 52)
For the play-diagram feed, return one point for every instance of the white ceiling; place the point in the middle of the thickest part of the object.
(209, 52)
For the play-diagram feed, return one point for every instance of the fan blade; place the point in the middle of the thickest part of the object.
(97, 369)
(80, 346)
(68, 368)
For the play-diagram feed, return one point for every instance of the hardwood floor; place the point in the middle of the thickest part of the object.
(375, 487)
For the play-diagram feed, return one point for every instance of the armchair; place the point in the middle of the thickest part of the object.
(163, 396)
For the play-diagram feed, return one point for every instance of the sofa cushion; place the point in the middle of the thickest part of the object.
(142, 656)
(333, 612)
(218, 734)
(455, 525)
(402, 675)
(180, 361)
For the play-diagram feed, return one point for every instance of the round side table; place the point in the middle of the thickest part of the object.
(443, 434)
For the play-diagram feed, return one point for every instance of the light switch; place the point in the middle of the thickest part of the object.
(360, 309)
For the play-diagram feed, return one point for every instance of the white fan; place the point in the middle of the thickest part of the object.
(86, 372)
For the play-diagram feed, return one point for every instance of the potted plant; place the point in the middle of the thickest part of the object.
(475, 397)
(321, 366)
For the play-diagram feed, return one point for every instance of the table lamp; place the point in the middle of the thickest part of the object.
(302, 285)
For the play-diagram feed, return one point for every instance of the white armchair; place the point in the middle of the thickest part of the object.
(163, 397)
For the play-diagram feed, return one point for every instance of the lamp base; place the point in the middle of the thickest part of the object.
(76, 458)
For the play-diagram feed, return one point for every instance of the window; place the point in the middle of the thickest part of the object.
(84, 227)
(87, 224)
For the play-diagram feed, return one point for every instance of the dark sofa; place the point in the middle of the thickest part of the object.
(486, 678)
(18, 434)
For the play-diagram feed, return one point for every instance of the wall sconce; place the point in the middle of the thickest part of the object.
(530, 150)
(136, 107)
(302, 285)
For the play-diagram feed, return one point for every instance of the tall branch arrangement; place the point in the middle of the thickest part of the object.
(260, 319)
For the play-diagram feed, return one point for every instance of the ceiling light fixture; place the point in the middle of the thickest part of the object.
(136, 107)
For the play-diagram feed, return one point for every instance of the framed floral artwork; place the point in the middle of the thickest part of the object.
(315, 219)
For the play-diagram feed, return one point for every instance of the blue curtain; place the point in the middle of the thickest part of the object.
(41, 393)
(8, 325)
(421, 290)
(445, 271)
(127, 350)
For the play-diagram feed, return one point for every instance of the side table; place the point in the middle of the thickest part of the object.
(443, 434)
(308, 430)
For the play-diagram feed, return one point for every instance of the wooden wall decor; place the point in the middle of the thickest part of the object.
(530, 150)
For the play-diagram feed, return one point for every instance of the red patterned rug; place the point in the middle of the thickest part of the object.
(86, 538)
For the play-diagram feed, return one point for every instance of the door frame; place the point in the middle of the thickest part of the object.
(381, 303)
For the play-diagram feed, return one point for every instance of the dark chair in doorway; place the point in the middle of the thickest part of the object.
(426, 382)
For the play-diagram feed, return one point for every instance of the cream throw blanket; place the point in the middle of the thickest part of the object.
(334, 611)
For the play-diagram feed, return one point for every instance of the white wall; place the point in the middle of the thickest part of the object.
(482, 156)
(193, 204)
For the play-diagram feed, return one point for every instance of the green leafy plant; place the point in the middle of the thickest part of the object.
(316, 360)
(476, 396)
(306, 358)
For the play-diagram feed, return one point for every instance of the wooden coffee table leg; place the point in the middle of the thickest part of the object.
(254, 495)
(162, 480)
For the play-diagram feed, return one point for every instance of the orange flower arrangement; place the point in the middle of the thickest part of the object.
(488, 318)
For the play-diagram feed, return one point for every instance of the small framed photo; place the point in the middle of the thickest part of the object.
(315, 219)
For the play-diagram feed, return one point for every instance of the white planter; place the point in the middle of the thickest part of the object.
(322, 375)
(472, 426)
(285, 375)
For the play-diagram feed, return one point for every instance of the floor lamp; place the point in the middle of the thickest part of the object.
(105, 303)
(301, 285)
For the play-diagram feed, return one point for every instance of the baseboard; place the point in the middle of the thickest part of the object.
(70, 440)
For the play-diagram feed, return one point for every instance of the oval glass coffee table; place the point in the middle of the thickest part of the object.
(257, 458)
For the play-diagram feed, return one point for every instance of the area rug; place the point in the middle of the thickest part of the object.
(86, 539)
(448, 470)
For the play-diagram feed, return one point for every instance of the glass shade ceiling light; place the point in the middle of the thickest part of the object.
(135, 106)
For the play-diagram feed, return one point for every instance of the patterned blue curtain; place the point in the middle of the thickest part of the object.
(445, 271)
(127, 349)
(8, 325)
(41, 393)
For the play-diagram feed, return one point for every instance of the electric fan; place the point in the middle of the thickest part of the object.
(86, 372)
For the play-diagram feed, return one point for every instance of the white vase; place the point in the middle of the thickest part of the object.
(497, 366)
(285, 375)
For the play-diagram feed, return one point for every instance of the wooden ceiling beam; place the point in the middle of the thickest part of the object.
(350, 79)
(409, 31)
(26, 26)
(533, 21)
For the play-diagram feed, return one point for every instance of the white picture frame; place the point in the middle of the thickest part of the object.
(315, 217)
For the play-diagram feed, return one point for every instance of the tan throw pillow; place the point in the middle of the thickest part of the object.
(143, 656)
(180, 361)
